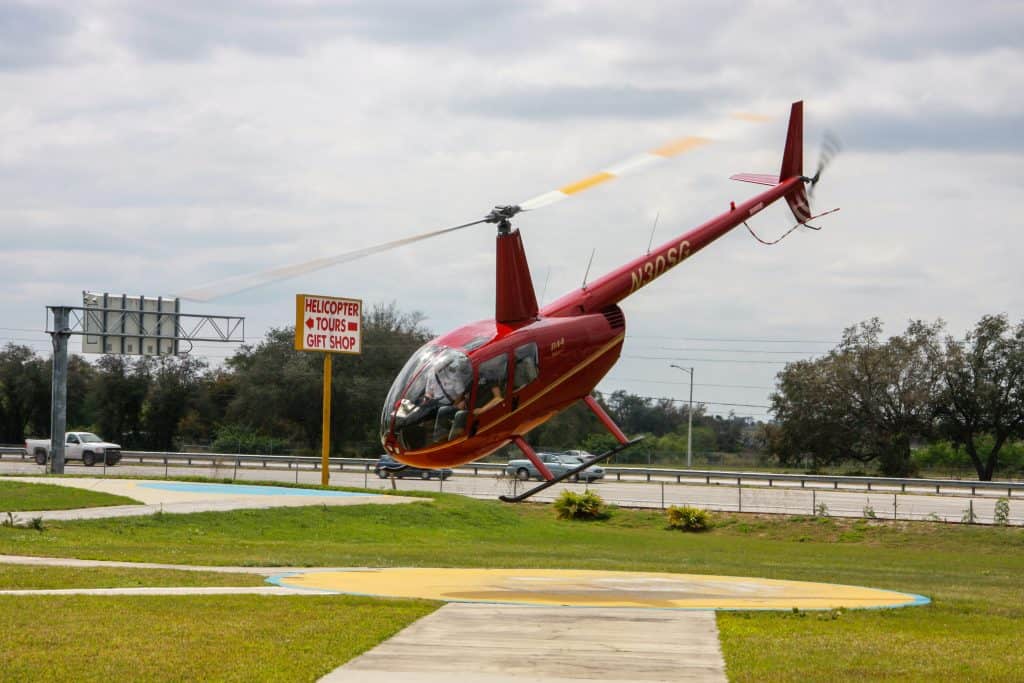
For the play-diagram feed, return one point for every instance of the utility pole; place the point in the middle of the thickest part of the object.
(689, 414)
(59, 388)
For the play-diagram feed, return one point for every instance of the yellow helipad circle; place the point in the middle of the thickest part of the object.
(582, 588)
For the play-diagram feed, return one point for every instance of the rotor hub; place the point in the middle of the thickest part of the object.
(502, 215)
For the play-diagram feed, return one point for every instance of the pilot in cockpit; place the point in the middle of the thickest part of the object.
(447, 387)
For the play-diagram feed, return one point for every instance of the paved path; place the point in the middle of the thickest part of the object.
(516, 644)
(186, 497)
(165, 590)
(73, 562)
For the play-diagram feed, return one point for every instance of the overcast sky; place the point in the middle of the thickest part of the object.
(151, 147)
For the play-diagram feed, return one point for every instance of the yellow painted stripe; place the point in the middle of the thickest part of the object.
(679, 146)
(554, 385)
(438, 447)
(551, 387)
(586, 183)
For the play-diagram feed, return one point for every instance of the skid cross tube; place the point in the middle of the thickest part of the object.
(565, 475)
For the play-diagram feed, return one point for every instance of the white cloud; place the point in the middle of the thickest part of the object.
(149, 150)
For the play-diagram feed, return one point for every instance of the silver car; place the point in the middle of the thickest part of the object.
(557, 463)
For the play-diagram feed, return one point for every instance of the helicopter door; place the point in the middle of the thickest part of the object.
(526, 370)
(490, 402)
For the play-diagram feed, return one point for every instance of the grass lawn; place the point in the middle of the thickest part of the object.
(192, 638)
(19, 577)
(16, 496)
(972, 630)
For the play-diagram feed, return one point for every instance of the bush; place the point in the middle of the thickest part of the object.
(1001, 514)
(688, 518)
(587, 505)
(238, 439)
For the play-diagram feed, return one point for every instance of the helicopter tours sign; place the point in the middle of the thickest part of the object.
(329, 324)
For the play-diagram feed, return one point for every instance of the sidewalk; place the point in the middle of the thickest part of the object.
(516, 644)
(186, 497)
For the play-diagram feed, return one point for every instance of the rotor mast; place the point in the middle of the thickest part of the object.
(514, 299)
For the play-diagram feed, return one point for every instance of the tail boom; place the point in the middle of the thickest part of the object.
(640, 272)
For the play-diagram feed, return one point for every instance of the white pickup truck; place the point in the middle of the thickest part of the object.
(84, 446)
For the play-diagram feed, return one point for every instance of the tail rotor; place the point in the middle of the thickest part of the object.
(831, 146)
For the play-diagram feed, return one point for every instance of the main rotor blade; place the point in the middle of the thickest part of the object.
(631, 165)
(641, 161)
(240, 283)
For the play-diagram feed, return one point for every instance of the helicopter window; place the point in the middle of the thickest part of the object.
(477, 342)
(526, 365)
(427, 402)
(491, 381)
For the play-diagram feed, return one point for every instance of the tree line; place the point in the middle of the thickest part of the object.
(266, 398)
(920, 398)
(876, 400)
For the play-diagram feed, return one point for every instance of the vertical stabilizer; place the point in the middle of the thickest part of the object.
(514, 300)
(793, 163)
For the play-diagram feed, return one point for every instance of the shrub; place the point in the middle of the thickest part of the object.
(239, 439)
(1001, 514)
(688, 518)
(587, 505)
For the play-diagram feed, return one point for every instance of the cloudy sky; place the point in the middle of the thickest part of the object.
(151, 147)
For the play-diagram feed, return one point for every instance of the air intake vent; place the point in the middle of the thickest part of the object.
(614, 316)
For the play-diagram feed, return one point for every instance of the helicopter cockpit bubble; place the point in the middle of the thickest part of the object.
(427, 403)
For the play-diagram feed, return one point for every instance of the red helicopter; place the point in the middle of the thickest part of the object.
(482, 386)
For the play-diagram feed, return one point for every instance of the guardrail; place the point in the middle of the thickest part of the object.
(677, 476)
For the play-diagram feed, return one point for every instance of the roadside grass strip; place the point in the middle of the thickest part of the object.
(27, 577)
(191, 638)
(16, 496)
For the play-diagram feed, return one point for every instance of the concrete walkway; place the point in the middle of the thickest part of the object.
(482, 643)
(187, 497)
(74, 562)
(165, 590)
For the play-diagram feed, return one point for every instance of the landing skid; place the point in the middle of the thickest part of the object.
(565, 475)
(392, 473)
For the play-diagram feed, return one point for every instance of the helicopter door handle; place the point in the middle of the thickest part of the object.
(515, 402)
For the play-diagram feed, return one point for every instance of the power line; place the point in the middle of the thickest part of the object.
(672, 348)
(708, 360)
(737, 340)
(710, 403)
(698, 384)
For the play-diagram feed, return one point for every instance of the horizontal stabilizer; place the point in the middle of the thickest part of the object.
(757, 178)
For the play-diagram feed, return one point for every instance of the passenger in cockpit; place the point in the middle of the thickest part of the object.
(447, 387)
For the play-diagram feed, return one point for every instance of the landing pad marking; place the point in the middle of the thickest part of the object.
(585, 588)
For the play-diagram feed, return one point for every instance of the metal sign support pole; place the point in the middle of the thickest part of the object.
(59, 388)
(325, 469)
(689, 428)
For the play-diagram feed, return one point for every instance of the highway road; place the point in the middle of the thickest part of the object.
(639, 493)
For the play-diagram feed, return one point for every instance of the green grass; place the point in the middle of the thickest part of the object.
(191, 638)
(16, 496)
(973, 574)
(19, 577)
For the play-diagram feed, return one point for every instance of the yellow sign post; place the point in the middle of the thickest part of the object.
(331, 325)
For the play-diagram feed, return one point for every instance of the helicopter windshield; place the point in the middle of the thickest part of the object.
(427, 403)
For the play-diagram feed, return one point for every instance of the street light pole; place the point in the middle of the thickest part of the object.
(689, 414)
